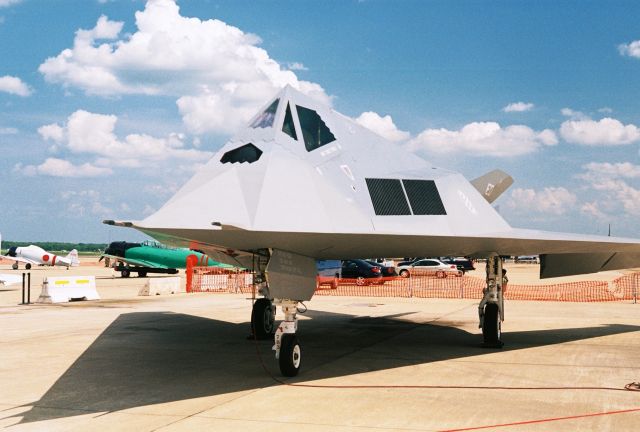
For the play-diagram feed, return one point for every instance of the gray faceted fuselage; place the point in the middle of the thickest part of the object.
(336, 190)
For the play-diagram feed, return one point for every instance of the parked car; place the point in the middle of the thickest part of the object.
(386, 262)
(363, 272)
(429, 266)
(387, 271)
(463, 264)
(328, 273)
(408, 261)
(529, 259)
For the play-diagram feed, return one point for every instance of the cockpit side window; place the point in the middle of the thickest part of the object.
(265, 119)
(314, 131)
(288, 127)
(246, 153)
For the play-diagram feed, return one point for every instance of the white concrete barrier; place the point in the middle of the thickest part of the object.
(166, 285)
(66, 288)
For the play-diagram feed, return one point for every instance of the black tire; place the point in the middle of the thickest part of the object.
(27, 266)
(360, 281)
(491, 331)
(404, 273)
(125, 273)
(334, 283)
(290, 355)
(441, 274)
(262, 319)
(142, 274)
(14, 266)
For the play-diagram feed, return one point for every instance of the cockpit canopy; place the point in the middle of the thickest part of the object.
(297, 121)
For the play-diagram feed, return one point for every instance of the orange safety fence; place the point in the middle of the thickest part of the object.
(213, 279)
(219, 280)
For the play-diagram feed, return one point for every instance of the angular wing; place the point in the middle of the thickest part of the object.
(562, 254)
(20, 259)
(136, 262)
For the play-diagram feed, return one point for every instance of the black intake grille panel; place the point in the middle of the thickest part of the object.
(424, 197)
(387, 197)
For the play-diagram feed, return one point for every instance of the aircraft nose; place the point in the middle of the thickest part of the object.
(115, 248)
(12, 251)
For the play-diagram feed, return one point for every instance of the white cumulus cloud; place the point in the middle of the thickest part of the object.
(593, 209)
(550, 200)
(613, 170)
(62, 168)
(84, 203)
(631, 49)
(5, 3)
(93, 134)
(297, 66)
(218, 73)
(14, 85)
(484, 138)
(614, 180)
(383, 126)
(53, 132)
(8, 131)
(518, 107)
(606, 132)
(574, 115)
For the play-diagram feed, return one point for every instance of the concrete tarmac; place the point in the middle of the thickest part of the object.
(183, 362)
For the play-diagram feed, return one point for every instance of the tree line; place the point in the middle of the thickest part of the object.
(58, 246)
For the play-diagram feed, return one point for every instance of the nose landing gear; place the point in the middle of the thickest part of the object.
(287, 348)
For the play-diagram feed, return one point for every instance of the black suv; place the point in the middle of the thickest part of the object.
(463, 264)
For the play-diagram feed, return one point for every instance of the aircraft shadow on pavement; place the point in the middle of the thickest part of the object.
(146, 358)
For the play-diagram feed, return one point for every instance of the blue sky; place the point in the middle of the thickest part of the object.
(106, 107)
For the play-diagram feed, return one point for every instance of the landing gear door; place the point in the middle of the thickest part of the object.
(291, 276)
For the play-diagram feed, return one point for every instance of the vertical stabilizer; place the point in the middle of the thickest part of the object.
(492, 184)
(73, 258)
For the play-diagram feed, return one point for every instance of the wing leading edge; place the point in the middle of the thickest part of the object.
(136, 262)
(562, 254)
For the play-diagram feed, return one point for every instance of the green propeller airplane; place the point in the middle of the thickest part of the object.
(152, 257)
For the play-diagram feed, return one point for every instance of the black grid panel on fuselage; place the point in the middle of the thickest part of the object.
(424, 197)
(387, 197)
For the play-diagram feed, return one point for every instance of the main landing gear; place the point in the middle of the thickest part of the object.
(286, 345)
(263, 317)
(491, 307)
(281, 276)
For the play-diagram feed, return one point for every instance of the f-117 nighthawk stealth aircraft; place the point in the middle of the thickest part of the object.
(303, 183)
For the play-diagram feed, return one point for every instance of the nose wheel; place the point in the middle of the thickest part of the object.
(287, 348)
(290, 355)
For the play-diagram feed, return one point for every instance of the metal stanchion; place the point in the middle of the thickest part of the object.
(26, 288)
(23, 277)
